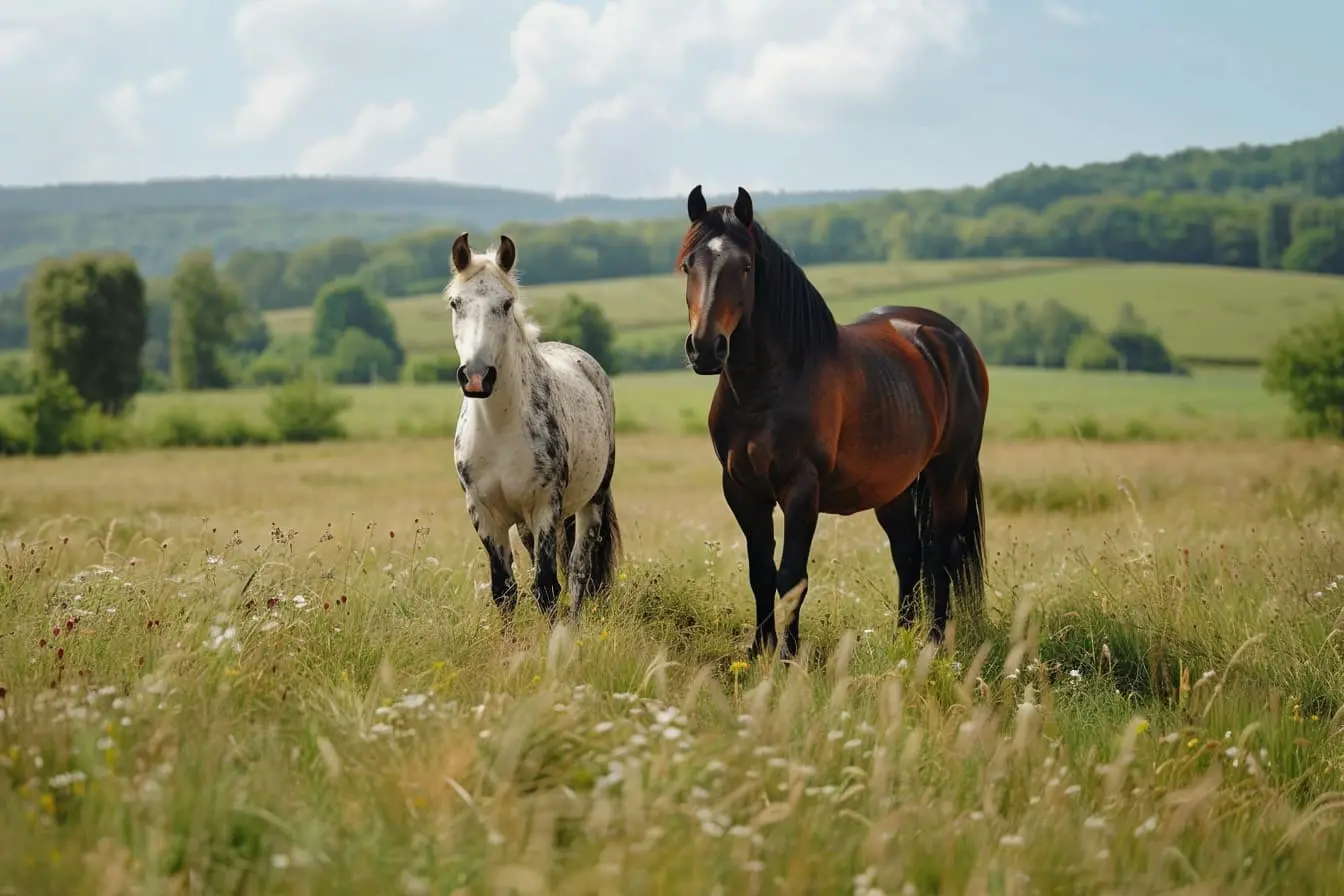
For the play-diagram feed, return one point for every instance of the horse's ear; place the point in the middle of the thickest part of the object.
(461, 253)
(696, 205)
(742, 207)
(507, 254)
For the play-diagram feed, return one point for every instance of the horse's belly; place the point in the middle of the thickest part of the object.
(587, 468)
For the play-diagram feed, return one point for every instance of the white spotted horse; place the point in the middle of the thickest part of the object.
(535, 446)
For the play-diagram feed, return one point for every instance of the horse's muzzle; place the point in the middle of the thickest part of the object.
(707, 356)
(477, 381)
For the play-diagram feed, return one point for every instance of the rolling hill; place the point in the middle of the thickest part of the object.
(1227, 315)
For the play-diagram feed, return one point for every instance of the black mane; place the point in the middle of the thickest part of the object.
(788, 307)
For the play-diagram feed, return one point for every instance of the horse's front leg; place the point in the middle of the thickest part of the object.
(545, 526)
(755, 517)
(800, 501)
(494, 536)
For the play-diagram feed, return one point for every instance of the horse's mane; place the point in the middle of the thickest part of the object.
(485, 262)
(795, 311)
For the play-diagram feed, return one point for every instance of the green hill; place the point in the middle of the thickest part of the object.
(159, 220)
(1203, 313)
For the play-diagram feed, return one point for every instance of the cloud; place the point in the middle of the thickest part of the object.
(337, 154)
(124, 106)
(15, 44)
(295, 51)
(1067, 14)
(614, 97)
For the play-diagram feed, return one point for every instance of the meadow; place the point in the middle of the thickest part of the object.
(1227, 314)
(278, 669)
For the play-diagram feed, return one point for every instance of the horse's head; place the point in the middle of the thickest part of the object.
(717, 257)
(483, 297)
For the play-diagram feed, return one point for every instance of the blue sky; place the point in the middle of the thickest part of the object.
(647, 97)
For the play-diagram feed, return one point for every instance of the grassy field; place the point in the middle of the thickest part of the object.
(1202, 312)
(277, 670)
(1024, 403)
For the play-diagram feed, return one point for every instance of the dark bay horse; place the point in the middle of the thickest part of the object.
(885, 414)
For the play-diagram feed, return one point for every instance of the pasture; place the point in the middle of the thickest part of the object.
(1227, 314)
(278, 669)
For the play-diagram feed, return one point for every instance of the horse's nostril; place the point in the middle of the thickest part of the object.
(462, 375)
(691, 353)
(720, 347)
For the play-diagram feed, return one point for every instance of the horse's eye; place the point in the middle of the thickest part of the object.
(508, 306)
(685, 267)
(453, 304)
(746, 269)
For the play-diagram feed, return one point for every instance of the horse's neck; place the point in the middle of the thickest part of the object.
(517, 378)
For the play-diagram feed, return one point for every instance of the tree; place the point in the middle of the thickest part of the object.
(1319, 250)
(1307, 364)
(88, 319)
(346, 304)
(1276, 233)
(206, 321)
(584, 324)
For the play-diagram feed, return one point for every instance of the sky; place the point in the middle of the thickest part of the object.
(649, 97)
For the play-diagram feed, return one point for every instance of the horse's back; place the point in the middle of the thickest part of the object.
(948, 347)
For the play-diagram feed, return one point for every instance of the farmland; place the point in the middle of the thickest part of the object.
(274, 669)
(1201, 312)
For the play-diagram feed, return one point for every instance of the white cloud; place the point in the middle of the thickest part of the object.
(612, 98)
(15, 44)
(858, 58)
(1067, 14)
(336, 154)
(124, 106)
(294, 50)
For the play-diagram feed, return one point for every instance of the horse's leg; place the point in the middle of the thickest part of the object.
(755, 517)
(897, 518)
(800, 504)
(494, 536)
(565, 550)
(545, 525)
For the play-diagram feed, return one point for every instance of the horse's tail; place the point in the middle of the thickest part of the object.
(607, 548)
(968, 572)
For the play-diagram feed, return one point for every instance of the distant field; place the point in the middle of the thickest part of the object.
(641, 306)
(1024, 404)
(1202, 312)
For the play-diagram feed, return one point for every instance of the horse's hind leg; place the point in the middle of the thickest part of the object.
(899, 520)
(954, 546)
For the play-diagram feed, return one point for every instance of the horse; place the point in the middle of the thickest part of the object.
(535, 446)
(884, 414)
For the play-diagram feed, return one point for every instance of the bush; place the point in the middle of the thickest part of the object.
(52, 414)
(1307, 364)
(16, 377)
(358, 357)
(1092, 351)
(283, 361)
(182, 427)
(306, 411)
(345, 304)
(436, 369)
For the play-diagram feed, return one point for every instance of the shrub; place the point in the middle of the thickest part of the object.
(436, 369)
(52, 414)
(1092, 351)
(16, 377)
(1307, 364)
(283, 361)
(307, 411)
(358, 357)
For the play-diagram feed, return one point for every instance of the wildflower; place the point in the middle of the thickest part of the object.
(1142, 727)
(1075, 674)
(1011, 840)
(739, 666)
(602, 727)
(1149, 825)
(1192, 743)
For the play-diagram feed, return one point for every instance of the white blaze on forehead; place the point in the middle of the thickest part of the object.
(716, 245)
(718, 255)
